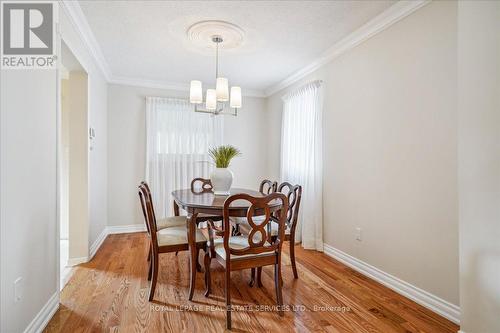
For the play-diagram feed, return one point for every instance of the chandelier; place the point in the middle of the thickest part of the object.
(218, 100)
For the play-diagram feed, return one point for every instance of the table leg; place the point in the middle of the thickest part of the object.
(193, 260)
(176, 209)
(176, 213)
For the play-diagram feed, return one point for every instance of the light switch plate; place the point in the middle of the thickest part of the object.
(358, 234)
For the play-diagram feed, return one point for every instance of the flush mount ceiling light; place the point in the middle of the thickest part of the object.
(220, 100)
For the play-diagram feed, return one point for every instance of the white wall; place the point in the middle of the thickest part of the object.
(126, 147)
(479, 164)
(28, 194)
(28, 181)
(97, 118)
(390, 150)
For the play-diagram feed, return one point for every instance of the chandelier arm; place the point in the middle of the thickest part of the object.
(234, 113)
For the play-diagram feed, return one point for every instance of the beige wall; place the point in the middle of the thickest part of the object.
(479, 164)
(64, 160)
(126, 147)
(97, 118)
(390, 150)
(76, 89)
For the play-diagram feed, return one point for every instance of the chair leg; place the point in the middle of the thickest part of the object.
(154, 260)
(176, 253)
(228, 298)
(150, 270)
(150, 261)
(252, 277)
(292, 257)
(198, 266)
(259, 277)
(277, 286)
(208, 283)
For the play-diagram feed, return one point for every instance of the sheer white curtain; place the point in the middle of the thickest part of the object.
(302, 158)
(177, 143)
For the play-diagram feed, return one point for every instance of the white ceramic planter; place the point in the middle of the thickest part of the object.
(221, 178)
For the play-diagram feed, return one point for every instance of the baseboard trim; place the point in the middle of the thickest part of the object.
(109, 230)
(43, 317)
(420, 296)
(125, 229)
(49, 309)
(77, 261)
(98, 242)
(65, 277)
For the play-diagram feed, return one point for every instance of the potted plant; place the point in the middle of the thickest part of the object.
(222, 177)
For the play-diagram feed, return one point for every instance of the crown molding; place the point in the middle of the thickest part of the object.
(147, 83)
(158, 84)
(379, 23)
(77, 18)
(382, 21)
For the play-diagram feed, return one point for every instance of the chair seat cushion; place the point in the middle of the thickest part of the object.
(171, 221)
(174, 221)
(245, 228)
(176, 235)
(238, 220)
(237, 242)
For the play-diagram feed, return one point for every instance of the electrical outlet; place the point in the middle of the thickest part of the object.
(358, 234)
(18, 289)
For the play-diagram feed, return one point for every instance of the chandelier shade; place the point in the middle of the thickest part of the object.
(235, 97)
(222, 89)
(196, 92)
(211, 100)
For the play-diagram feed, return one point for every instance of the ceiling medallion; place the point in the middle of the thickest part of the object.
(201, 34)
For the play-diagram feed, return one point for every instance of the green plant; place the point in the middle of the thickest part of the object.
(223, 155)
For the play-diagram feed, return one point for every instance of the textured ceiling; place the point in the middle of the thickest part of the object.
(147, 39)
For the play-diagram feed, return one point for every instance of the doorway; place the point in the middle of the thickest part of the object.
(74, 142)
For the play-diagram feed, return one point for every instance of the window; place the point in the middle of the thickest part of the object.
(177, 143)
(302, 158)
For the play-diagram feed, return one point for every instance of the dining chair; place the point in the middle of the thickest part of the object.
(171, 221)
(294, 195)
(205, 185)
(170, 239)
(256, 249)
(266, 187)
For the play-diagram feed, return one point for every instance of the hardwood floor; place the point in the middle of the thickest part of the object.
(110, 294)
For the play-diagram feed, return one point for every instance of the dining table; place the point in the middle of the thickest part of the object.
(206, 202)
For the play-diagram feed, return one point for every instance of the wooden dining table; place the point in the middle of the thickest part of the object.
(205, 202)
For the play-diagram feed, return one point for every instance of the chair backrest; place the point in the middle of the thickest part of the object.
(267, 186)
(147, 209)
(259, 206)
(150, 196)
(205, 185)
(294, 195)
